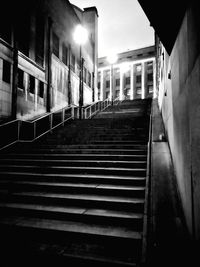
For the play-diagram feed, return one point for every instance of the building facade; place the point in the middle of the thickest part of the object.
(131, 77)
(39, 59)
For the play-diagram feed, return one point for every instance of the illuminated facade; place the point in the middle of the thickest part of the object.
(131, 77)
(39, 59)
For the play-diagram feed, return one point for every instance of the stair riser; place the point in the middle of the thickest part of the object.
(86, 203)
(75, 170)
(134, 224)
(78, 179)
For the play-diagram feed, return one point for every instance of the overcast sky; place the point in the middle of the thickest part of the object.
(122, 25)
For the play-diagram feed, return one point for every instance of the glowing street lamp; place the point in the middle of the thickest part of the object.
(112, 58)
(80, 37)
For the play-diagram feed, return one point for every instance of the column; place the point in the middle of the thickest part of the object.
(111, 82)
(132, 82)
(143, 81)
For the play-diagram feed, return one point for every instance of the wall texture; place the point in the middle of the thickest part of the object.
(179, 100)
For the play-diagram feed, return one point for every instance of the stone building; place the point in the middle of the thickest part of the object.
(39, 59)
(132, 76)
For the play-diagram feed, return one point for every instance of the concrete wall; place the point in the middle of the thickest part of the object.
(179, 100)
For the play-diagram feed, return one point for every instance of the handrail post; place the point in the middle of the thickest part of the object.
(51, 122)
(90, 111)
(18, 130)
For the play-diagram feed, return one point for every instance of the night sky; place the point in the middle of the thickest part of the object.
(122, 25)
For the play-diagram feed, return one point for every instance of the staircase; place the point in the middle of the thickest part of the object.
(77, 196)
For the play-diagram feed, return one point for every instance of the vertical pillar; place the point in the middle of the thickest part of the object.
(14, 78)
(111, 82)
(132, 82)
(101, 87)
(49, 63)
(121, 84)
(143, 80)
(154, 79)
(69, 78)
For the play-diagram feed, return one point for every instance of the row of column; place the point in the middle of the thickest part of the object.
(132, 82)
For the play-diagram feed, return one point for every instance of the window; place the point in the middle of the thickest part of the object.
(138, 68)
(107, 94)
(41, 89)
(20, 78)
(98, 96)
(138, 78)
(128, 80)
(99, 85)
(150, 77)
(89, 79)
(150, 89)
(117, 93)
(39, 57)
(149, 65)
(55, 45)
(31, 84)
(5, 29)
(139, 55)
(6, 71)
(107, 84)
(64, 54)
(84, 74)
(138, 90)
(23, 33)
(117, 82)
(73, 60)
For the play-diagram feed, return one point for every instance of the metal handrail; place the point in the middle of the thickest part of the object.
(90, 111)
(147, 196)
(116, 101)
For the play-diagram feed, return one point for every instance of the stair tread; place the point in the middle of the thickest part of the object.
(72, 227)
(74, 210)
(75, 175)
(94, 197)
(79, 185)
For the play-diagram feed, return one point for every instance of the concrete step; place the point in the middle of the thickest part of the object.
(76, 169)
(133, 221)
(52, 156)
(68, 150)
(79, 163)
(119, 203)
(74, 178)
(73, 188)
(52, 237)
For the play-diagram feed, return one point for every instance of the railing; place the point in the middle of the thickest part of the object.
(147, 205)
(116, 101)
(17, 130)
(90, 111)
(9, 133)
(30, 131)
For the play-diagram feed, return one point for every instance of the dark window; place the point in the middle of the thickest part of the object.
(73, 60)
(84, 74)
(139, 55)
(6, 71)
(89, 79)
(99, 85)
(55, 45)
(117, 82)
(107, 84)
(107, 94)
(64, 54)
(128, 80)
(98, 96)
(138, 90)
(39, 57)
(117, 93)
(41, 89)
(20, 78)
(31, 84)
(138, 78)
(23, 33)
(150, 77)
